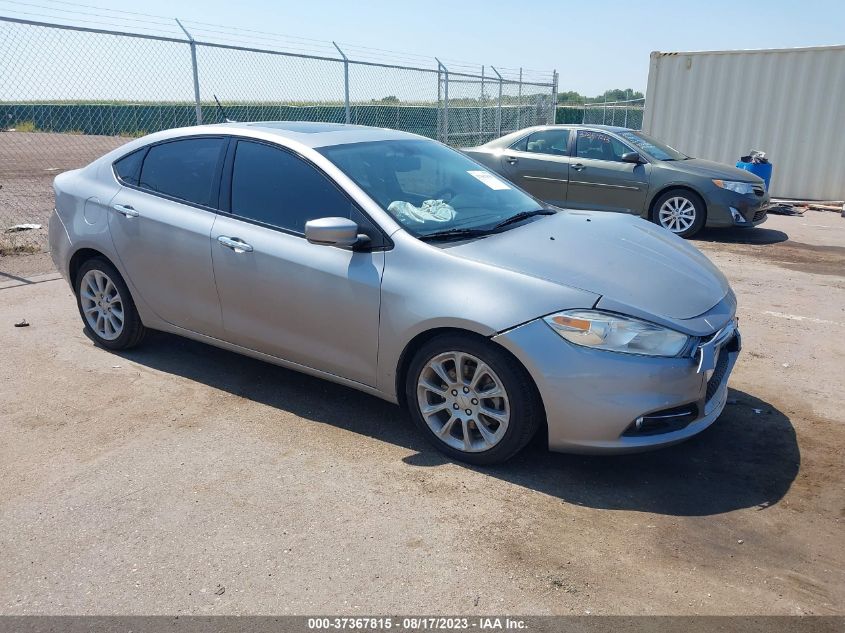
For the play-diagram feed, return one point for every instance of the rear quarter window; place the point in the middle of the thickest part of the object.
(128, 168)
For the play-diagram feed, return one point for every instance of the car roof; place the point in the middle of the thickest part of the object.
(315, 134)
(585, 126)
(511, 137)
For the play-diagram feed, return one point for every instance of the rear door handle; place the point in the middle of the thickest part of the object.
(125, 210)
(236, 244)
(511, 160)
(579, 167)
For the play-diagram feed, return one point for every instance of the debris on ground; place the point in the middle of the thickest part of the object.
(220, 590)
(784, 208)
(781, 206)
(22, 227)
(22, 323)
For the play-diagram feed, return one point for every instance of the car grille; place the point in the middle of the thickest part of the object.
(759, 215)
(718, 374)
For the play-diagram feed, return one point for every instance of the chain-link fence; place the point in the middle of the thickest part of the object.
(627, 113)
(69, 93)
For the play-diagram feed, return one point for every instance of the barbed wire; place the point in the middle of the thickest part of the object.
(107, 18)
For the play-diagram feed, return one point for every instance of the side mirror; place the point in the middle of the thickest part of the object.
(341, 232)
(632, 157)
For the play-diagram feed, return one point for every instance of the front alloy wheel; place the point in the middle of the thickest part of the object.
(463, 402)
(471, 398)
(680, 211)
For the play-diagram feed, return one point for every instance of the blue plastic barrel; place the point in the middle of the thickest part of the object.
(764, 170)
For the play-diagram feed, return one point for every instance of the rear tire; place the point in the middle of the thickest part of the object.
(483, 414)
(680, 211)
(106, 307)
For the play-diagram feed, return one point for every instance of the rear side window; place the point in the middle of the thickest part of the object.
(185, 169)
(275, 187)
(128, 168)
(552, 142)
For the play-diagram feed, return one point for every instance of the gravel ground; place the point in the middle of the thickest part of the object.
(30, 161)
(181, 479)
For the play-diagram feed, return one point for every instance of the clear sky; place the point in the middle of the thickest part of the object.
(594, 45)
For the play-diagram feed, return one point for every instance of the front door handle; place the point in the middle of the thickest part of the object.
(511, 160)
(236, 244)
(125, 210)
(579, 167)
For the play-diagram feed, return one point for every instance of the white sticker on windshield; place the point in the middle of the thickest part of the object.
(488, 179)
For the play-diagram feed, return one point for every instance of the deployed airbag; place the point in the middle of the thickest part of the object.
(429, 211)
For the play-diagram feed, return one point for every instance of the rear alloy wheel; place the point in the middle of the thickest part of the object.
(106, 306)
(472, 401)
(680, 211)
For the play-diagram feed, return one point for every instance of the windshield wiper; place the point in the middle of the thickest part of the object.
(463, 233)
(453, 234)
(523, 215)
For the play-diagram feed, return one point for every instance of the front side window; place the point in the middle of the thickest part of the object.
(599, 146)
(186, 169)
(427, 187)
(552, 142)
(275, 187)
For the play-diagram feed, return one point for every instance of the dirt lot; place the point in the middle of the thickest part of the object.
(182, 479)
(28, 163)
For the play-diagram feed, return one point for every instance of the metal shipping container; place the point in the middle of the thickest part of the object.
(789, 103)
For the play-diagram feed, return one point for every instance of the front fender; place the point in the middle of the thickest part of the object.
(424, 288)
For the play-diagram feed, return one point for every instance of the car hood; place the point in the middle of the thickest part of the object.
(623, 258)
(711, 169)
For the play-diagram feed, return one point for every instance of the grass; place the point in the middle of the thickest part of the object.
(19, 249)
(25, 126)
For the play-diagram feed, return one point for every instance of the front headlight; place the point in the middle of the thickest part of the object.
(735, 186)
(616, 333)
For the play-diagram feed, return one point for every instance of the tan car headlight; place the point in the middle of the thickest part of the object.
(616, 333)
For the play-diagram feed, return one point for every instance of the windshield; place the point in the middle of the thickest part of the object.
(429, 188)
(652, 147)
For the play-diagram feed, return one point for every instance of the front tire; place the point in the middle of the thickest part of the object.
(106, 307)
(680, 211)
(471, 399)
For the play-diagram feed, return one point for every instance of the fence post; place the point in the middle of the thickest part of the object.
(345, 82)
(439, 99)
(554, 98)
(193, 46)
(499, 105)
(626, 114)
(519, 101)
(445, 101)
(604, 111)
(481, 111)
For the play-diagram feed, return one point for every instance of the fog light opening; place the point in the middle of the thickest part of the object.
(737, 216)
(664, 421)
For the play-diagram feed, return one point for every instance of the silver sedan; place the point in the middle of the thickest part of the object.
(395, 265)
